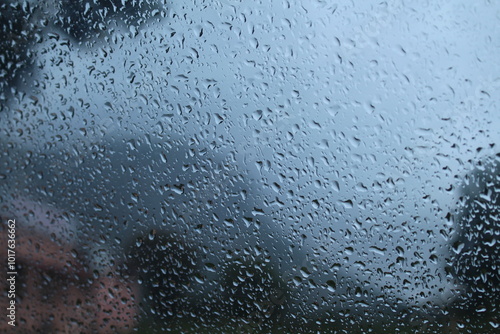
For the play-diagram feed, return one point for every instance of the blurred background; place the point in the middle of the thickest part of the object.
(286, 166)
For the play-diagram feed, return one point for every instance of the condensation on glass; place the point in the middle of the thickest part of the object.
(264, 167)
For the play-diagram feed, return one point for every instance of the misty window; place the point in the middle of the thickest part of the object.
(227, 167)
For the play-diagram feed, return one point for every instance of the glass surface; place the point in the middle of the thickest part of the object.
(263, 167)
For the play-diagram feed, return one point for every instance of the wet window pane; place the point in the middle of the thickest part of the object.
(226, 167)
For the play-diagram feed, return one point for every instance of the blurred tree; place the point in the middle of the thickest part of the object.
(23, 24)
(476, 264)
(254, 294)
(165, 268)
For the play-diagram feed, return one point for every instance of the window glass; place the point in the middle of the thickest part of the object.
(227, 167)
